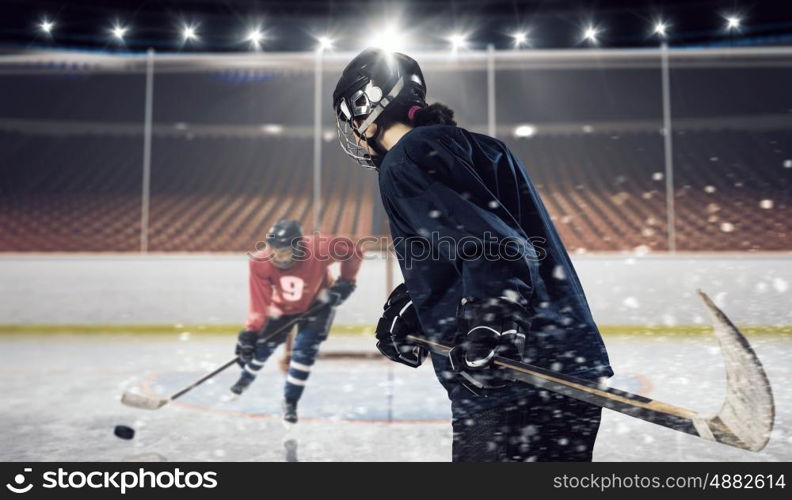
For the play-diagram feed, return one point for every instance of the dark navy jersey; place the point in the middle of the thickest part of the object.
(467, 221)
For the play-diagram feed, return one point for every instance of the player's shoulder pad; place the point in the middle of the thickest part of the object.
(421, 139)
(258, 256)
(259, 263)
(425, 155)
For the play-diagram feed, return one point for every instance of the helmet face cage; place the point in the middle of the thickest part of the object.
(353, 144)
(366, 103)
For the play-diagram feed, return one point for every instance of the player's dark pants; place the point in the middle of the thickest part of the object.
(311, 331)
(543, 426)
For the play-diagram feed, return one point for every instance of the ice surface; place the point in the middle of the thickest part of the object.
(197, 290)
(353, 409)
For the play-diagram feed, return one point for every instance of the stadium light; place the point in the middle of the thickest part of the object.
(118, 32)
(272, 129)
(458, 41)
(390, 39)
(661, 29)
(520, 38)
(325, 43)
(46, 26)
(255, 36)
(733, 23)
(590, 34)
(189, 33)
(525, 131)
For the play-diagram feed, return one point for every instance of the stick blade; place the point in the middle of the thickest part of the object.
(143, 402)
(746, 418)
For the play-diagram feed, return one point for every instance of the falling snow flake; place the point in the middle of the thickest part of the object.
(631, 302)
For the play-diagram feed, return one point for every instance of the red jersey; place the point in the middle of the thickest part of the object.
(274, 291)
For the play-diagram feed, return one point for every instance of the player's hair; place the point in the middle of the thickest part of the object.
(412, 110)
(433, 114)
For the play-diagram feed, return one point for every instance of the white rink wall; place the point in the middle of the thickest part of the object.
(212, 288)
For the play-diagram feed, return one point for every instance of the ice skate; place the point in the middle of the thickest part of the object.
(241, 385)
(289, 413)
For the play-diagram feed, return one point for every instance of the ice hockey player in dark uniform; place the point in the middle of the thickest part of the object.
(290, 280)
(484, 268)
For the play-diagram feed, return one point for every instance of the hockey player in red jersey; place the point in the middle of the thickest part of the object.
(290, 281)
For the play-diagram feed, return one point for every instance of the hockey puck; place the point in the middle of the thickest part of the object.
(124, 432)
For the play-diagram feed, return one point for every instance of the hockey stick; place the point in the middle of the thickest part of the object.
(745, 419)
(152, 403)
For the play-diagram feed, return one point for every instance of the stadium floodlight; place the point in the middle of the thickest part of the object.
(733, 23)
(118, 32)
(189, 33)
(520, 38)
(590, 34)
(390, 39)
(272, 128)
(255, 36)
(458, 41)
(525, 131)
(325, 43)
(661, 29)
(46, 26)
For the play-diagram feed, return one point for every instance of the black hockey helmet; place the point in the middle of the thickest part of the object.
(285, 233)
(370, 83)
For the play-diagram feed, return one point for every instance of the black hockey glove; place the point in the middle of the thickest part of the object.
(398, 321)
(339, 292)
(246, 347)
(485, 329)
